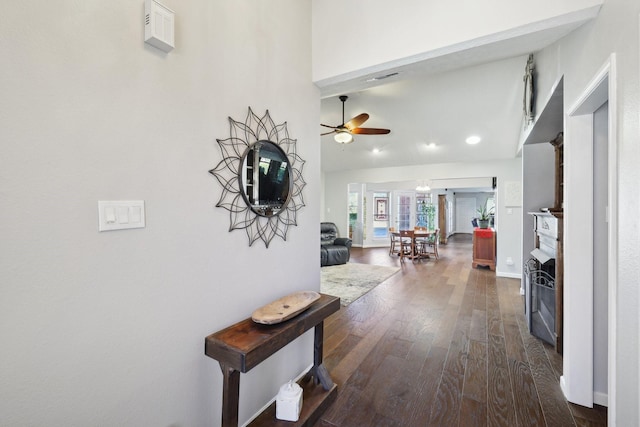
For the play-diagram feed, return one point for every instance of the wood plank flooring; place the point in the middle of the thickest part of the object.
(443, 344)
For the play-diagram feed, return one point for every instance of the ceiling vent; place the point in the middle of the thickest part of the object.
(378, 78)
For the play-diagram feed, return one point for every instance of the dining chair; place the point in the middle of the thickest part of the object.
(395, 242)
(433, 243)
(421, 242)
(407, 244)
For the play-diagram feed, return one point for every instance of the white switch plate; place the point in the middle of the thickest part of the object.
(120, 214)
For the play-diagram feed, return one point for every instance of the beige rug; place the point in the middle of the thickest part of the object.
(350, 281)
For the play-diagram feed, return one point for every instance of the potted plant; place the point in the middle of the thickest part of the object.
(484, 215)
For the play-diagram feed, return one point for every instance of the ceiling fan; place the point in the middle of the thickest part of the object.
(344, 133)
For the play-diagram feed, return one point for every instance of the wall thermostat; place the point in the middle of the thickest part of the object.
(159, 23)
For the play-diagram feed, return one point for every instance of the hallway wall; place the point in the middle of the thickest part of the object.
(108, 329)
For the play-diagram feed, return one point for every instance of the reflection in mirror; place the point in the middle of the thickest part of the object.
(265, 178)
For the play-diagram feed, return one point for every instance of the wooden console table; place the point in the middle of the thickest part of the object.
(484, 247)
(243, 346)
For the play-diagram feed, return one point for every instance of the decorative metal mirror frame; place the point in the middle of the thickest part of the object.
(241, 215)
(529, 92)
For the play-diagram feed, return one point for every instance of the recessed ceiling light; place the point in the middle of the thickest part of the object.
(472, 140)
(431, 145)
(376, 150)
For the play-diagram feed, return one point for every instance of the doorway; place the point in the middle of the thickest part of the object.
(465, 212)
(587, 203)
(600, 250)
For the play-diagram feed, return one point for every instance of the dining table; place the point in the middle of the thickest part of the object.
(417, 234)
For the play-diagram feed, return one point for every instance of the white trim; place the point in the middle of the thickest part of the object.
(578, 349)
(261, 410)
(593, 95)
(578, 253)
(600, 399)
(563, 386)
(376, 245)
(613, 240)
(509, 275)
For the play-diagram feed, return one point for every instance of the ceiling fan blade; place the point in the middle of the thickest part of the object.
(328, 133)
(370, 131)
(356, 121)
(332, 127)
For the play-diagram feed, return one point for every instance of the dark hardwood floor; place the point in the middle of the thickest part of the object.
(443, 344)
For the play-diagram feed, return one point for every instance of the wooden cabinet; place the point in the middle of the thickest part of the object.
(558, 145)
(484, 247)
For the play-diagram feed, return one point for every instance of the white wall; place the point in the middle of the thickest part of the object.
(354, 35)
(600, 250)
(579, 57)
(108, 328)
(510, 229)
(538, 180)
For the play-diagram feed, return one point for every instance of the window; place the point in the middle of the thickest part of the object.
(404, 212)
(353, 212)
(380, 215)
(425, 211)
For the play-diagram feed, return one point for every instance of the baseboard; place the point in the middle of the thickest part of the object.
(563, 386)
(270, 402)
(601, 399)
(375, 245)
(509, 275)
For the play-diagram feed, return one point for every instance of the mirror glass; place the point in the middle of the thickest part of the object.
(265, 178)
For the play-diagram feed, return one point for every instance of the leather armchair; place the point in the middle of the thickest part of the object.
(333, 249)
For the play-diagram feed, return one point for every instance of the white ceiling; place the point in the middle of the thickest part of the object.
(440, 100)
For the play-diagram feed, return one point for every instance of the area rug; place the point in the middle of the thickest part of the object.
(350, 281)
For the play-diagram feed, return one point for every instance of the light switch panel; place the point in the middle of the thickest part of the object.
(110, 214)
(120, 214)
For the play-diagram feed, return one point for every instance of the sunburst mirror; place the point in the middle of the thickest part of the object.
(261, 178)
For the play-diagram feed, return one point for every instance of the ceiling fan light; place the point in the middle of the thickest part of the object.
(343, 137)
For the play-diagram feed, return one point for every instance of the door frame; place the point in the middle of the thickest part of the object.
(577, 378)
(442, 218)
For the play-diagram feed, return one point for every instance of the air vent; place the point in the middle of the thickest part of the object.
(378, 78)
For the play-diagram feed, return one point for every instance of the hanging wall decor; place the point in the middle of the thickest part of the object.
(529, 92)
(261, 178)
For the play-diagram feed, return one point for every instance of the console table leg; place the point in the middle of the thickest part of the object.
(230, 396)
(320, 373)
(318, 343)
(325, 379)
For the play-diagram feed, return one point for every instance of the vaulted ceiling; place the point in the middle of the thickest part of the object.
(432, 106)
(430, 118)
